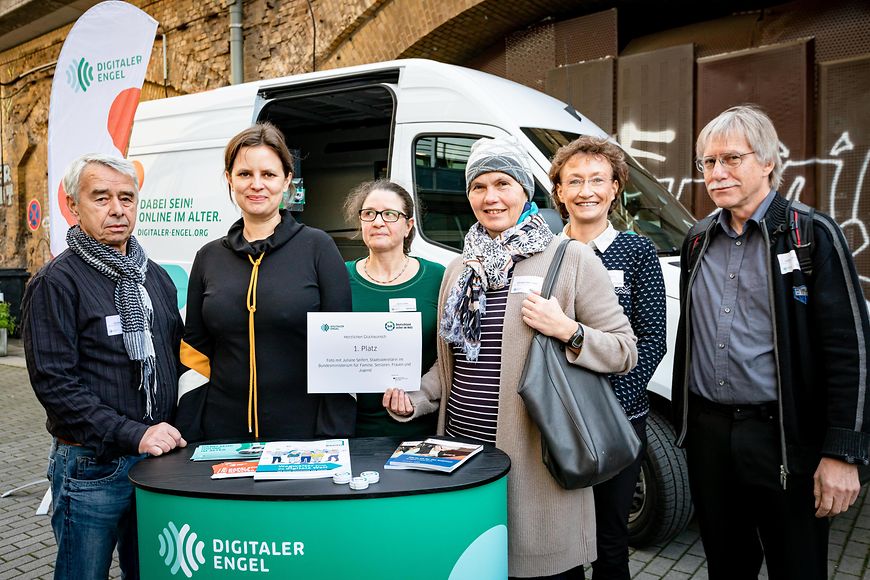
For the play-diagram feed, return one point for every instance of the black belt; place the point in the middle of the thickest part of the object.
(767, 410)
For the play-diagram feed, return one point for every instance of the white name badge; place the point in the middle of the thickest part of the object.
(113, 325)
(403, 305)
(617, 278)
(788, 262)
(526, 284)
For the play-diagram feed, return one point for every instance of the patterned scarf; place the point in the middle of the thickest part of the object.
(131, 300)
(487, 264)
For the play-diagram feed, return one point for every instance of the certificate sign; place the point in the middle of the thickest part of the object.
(363, 352)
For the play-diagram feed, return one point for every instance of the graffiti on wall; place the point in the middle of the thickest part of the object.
(840, 197)
(629, 134)
(846, 213)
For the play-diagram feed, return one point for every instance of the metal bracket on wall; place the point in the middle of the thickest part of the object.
(6, 184)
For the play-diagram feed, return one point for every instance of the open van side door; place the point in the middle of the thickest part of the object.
(340, 131)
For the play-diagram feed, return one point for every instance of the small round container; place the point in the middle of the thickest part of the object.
(359, 483)
(341, 478)
(371, 476)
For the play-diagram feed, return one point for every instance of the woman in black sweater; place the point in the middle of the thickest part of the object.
(249, 293)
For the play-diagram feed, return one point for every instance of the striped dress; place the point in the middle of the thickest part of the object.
(472, 407)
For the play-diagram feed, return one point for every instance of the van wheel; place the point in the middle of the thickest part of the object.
(662, 505)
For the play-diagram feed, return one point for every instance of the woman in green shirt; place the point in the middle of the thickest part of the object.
(389, 280)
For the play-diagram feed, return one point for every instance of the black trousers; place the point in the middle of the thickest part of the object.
(744, 514)
(612, 503)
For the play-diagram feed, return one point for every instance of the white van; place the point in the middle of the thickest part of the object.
(412, 121)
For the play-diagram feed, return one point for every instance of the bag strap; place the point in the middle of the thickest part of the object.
(696, 237)
(800, 225)
(553, 272)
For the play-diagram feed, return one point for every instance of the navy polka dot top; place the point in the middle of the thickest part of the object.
(642, 297)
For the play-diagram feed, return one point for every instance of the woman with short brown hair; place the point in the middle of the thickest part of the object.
(589, 175)
(245, 339)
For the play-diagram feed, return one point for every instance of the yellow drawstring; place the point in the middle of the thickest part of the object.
(252, 383)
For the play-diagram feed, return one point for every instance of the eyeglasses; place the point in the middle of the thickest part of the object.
(388, 215)
(576, 185)
(732, 160)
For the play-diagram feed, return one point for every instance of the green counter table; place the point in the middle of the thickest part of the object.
(412, 524)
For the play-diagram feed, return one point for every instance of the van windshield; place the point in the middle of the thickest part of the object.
(647, 208)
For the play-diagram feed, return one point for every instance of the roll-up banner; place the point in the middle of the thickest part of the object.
(94, 95)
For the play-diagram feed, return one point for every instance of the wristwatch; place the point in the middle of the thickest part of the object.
(576, 340)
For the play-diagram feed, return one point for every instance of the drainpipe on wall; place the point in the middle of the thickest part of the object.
(313, 37)
(237, 44)
(165, 68)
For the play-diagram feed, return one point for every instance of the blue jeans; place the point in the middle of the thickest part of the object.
(93, 512)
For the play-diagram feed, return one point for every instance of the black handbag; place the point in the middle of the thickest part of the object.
(586, 437)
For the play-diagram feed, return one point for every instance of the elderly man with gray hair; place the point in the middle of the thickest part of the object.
(101, 336)
(771, 367)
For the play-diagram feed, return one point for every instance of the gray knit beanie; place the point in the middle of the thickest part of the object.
(503, 154)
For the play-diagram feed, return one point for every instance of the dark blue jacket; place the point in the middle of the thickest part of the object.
(822, 335)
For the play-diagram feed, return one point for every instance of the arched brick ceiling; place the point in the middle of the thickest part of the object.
(447, 30)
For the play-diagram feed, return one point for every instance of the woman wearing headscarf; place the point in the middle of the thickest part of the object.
(490, 307)
(245, 338)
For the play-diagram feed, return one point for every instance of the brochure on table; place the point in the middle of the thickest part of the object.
(432, 455)
(363, 352)
(233, 469)
(224, 451)
(303, 459)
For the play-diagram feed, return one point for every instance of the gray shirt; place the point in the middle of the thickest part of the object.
(732, 359)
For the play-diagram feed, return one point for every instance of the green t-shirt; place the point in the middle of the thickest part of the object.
(372, 420)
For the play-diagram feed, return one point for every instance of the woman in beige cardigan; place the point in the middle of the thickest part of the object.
(490, 306)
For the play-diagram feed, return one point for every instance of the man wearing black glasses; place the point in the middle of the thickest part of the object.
(771, 367)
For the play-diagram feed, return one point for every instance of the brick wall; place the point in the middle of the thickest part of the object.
(278, 41)
(24, 99)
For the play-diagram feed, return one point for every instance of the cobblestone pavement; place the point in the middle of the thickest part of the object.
(27, 546)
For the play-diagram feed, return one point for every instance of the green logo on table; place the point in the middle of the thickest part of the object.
(181, 550)
(390, 326)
